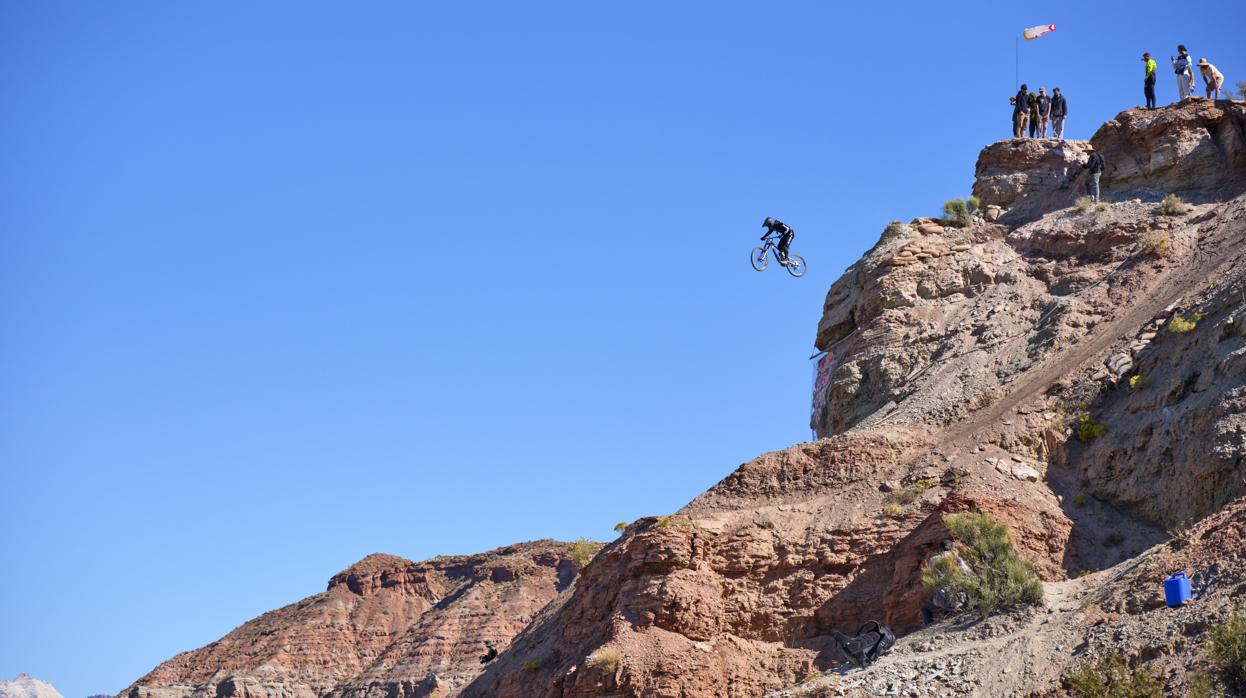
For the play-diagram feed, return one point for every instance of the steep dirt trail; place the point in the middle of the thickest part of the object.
(1188, 279)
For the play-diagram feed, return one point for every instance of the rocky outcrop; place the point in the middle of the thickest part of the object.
(1030, 176)
(26, 686)
(1196, 149)
(385, 626)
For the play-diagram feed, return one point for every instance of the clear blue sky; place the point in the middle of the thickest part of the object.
(284, 284)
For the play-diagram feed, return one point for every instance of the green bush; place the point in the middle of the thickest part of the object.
(620, 526)
(923, 485)
(531, 665)
(1111, 677)
(1157, 245)
(1181, 325)
(893, 510)
(1172, 205)
(1088, 429)
(605, 659)
(1001, 578)
(583, 551)
(1227, 650)
(1137, 381)
(668, 521)
(958, 213)
(1241, 90)
(1200, 685)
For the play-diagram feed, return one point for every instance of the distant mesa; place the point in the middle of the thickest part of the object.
(26, 686)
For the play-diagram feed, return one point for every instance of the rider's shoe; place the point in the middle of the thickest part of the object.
(783, 262)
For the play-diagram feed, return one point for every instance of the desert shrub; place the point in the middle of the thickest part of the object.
(903, 497)
(1001, 578)
(1200, 685)
(1157, 245)
(583, 551)
(1086, 204)
(1113, 539)
(620, 526)
(1241, 90)
(1079, 500)
(531, 665)
(1111, 677)
(958, 213)
(1181, 325)
(1088, 429)
(668, 521)
(1085, 573)
(1172, 205)
(893, 510)
(605, 659)
(1227, 650)
(923, 485)
(1137, 381)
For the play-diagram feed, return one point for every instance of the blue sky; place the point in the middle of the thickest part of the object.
(284, 284)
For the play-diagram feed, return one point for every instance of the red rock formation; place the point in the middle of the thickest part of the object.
(384, 624)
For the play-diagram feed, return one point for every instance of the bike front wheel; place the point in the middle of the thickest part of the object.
(759, 259)
(796, 266)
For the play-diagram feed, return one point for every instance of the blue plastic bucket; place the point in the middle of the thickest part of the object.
(1177, 590)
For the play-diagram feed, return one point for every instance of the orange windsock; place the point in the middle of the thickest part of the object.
(1035, 32)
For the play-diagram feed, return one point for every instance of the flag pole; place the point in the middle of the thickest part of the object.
(1016, 66)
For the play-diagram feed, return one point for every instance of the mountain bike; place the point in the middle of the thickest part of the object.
(760, 259)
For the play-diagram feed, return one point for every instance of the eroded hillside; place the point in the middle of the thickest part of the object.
(963, 357)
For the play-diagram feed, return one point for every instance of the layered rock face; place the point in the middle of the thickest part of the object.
(384, 625)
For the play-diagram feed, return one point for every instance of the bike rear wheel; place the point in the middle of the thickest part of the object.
(759, 260)
(796, 265)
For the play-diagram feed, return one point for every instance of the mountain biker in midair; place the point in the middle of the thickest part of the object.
(785, 233)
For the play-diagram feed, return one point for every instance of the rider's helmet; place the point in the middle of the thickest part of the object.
(768, 223)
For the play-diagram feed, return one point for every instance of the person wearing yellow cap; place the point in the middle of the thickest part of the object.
(1148, 83)
(1212, 78)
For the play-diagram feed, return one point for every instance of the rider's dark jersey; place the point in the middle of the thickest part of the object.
(776, 226)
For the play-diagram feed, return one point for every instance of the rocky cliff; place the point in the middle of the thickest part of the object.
(961, 363)
(962, 358)
(385, 626)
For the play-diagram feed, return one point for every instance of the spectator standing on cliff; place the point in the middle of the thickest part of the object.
(1059, 110)
(1148, 83)
(1033, 116)
(1213, 79)
(1020, 112)
(1044, 111)
(1183, 67)
(1095, 165)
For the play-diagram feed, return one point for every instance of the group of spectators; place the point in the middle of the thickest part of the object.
(1038, 111)
(1183, 68)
